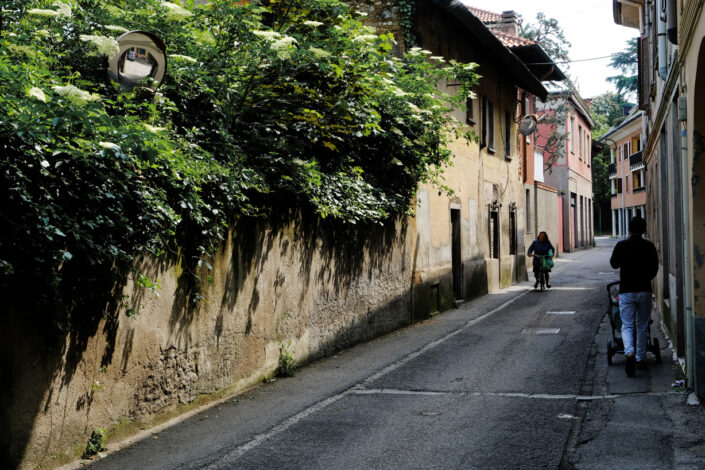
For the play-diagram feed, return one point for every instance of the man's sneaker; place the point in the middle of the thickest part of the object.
(548, 285)
(641, 365)
(536, 284)
(630, 366)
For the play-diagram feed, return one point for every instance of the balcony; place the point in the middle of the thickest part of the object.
(612, 170)
(639, 189)
(636, 161)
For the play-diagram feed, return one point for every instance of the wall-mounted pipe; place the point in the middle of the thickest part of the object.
(662, 45)
(672, 21)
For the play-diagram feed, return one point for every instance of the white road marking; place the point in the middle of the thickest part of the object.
(226, 461)
(541, 331)
(532, 396)
(564, 312)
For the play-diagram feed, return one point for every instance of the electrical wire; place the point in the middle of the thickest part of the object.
(578, 60)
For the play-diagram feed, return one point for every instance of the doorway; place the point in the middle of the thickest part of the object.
(456, 255)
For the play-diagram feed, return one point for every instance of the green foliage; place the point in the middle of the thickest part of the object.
(267, 105)
(287, 365)
(607, 111)
(627, 63)
(407, 11)
(549, 35)
(96, 443)
(554, 141)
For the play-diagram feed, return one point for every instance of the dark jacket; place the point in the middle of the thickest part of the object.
(637, 261)
(540, 248)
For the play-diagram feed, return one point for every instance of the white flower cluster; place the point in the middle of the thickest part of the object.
(313, 23)
(115, 29)
(154, 129)
(319, 53)
(175, 12)
(104, 45)
(419, 51)
(185, 58)
(284, 46)
(62, 10)
(109, 145)
(267, 35)
(76, 96)
(365, 38)
(37, 94)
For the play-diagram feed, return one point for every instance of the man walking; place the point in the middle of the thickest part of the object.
(637, 262)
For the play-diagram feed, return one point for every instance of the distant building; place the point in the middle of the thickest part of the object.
(568, 166)
(542, 204)
(626, 173)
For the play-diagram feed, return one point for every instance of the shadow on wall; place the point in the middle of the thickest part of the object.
(331, 257)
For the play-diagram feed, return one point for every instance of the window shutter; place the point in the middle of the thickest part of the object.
(644, 72)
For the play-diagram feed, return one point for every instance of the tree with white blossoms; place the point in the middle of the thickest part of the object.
(289, 105)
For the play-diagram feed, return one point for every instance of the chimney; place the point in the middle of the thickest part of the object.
(509, 23)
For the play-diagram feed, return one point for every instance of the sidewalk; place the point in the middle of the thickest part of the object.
(606, 426)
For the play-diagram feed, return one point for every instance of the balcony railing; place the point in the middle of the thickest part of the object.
(612, 169)
(636, 160)
(639, 189)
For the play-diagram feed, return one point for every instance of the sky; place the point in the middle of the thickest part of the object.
(589, 27)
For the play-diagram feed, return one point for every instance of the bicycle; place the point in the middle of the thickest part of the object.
(542, 271)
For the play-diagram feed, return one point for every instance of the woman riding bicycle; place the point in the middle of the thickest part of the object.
(541, 247)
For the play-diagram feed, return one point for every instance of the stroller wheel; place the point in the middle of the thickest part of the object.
(657, 350)
(610, 352)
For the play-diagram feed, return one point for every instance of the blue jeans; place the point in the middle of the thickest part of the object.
(631, 305)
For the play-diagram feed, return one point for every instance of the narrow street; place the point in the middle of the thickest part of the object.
(513, 380)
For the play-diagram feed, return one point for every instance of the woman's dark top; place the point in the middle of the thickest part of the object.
(540, 248)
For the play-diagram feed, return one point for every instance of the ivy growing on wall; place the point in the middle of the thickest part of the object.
(267, 105)
(407, 10)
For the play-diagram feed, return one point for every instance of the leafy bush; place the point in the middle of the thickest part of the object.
(270, 104)
(96, 443)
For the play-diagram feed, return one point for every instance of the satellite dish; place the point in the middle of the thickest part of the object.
(528, 124)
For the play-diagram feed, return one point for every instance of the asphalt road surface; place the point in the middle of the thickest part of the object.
(516, 380)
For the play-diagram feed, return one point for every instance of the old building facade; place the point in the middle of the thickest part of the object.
(568, 164)
(671, 95)
(626, 173)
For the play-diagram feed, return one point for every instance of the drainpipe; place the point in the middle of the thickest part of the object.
(687, 274)
(662, 46)
(672, 21)
(641, 13)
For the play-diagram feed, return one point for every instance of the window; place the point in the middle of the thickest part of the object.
(528, 211)
(580, 142)
(490, 126)
(494, 234)
(572, 135)
(483, 123)
(626, 182)
(507, 136)
(613, 187)
(636, 144)
(625, 151)
(470, 113)
(619, 186)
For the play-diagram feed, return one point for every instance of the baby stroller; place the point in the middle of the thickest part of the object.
(616, 345)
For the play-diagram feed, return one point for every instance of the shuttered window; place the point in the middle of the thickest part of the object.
(644, 72)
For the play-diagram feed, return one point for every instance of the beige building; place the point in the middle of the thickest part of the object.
(626, 173)
(672, 97)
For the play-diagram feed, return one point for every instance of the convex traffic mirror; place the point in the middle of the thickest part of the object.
(139, 62)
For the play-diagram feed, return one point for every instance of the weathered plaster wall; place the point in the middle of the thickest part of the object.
(548, 218)
(316, 288)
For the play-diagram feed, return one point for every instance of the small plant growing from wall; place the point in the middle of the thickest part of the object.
(96, 443)
(287, 364)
